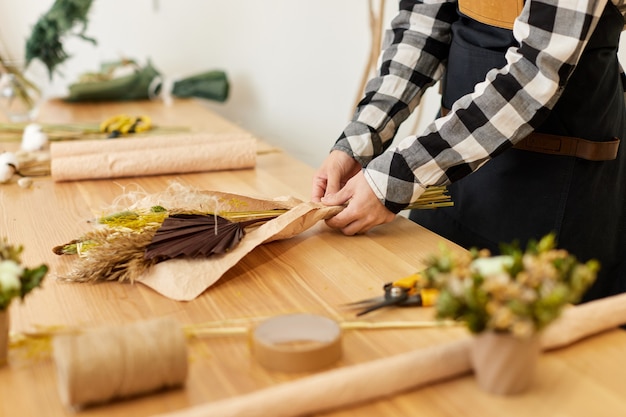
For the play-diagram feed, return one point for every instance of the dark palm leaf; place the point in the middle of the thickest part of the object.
(195, 236)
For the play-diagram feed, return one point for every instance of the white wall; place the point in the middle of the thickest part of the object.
(294, 65)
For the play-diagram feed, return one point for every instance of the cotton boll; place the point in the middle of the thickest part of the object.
(33, 138)
(8, 166)
(6, 173)
(25, 182)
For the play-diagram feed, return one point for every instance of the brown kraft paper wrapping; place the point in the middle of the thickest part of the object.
(352, 385)
(154, 155)
(114, 362)
(185, 279)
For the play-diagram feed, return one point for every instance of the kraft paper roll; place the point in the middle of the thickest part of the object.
(151, 155)
(392, 375)
(117, 362)
(297, 342)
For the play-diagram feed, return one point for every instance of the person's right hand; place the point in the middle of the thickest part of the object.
(334, 173)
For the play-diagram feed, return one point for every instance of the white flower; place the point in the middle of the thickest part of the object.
(492, 266)
(10, 273)
(33, 138)
(456, 286)
(8, 165)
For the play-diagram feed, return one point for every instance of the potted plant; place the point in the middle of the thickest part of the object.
(15, 281)
(21, 82)
(506, 301)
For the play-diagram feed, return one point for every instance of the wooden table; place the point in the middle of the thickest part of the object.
(315, 272)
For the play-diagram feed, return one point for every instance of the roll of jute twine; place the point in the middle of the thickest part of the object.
(115, 362)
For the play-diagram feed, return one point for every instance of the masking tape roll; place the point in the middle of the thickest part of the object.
(297, 342)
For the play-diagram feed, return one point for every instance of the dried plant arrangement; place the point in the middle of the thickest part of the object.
(185, 223)
(518, 292)
(126, 243)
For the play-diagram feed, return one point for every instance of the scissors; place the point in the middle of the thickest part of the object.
(404, 292)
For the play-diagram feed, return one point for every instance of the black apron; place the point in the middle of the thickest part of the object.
(522, 195)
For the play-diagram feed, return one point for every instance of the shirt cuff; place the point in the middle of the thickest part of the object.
(394, 193)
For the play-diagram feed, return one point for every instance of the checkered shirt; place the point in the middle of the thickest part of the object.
(502, 110)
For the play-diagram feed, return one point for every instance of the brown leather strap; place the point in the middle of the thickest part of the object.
(567, 146)
(499, 13)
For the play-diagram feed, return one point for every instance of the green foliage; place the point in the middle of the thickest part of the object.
(32, 278)
(46, 40)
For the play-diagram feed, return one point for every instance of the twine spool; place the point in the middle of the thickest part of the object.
(117, 362)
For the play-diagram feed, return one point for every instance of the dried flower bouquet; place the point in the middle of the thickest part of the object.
(520, 292)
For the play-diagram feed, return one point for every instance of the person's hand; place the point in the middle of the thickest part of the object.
(334, 173)
(364, 209)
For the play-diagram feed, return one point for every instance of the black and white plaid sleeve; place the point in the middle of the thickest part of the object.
(413, 58)
(506, 107)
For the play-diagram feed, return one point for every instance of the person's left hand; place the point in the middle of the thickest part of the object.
(363, 212)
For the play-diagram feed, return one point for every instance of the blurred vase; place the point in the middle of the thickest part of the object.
(4, 336)
(505, 364)
(21, 91)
